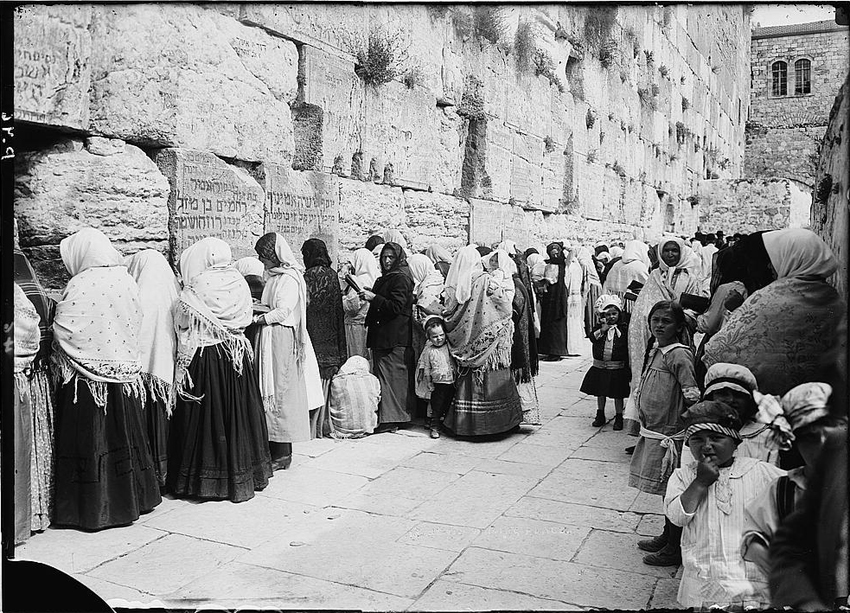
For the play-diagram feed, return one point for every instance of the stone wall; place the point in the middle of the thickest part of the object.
(751, 205)
(784, 132)
(560, 121)
(831, 193)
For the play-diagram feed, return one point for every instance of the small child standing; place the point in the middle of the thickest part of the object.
(610, 375)
(435, 373)
(707, 499)
(666, 387)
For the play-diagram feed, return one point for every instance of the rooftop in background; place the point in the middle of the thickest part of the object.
(814, 27)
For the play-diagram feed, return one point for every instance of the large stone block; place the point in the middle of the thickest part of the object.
(52, 67)
(301, 205)
(527, 170)
(436, 219)
(493, 222)
(210, 197)
(191, 78)
(67, 187)
(366, 209)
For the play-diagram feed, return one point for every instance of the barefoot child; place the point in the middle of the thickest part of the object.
(707, 499)
(435, 373)
(610, 374)
(666, 387)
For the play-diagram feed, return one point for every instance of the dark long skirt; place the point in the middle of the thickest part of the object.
(104, 472)
(553, 337)
(23, 464)
(156, 422)
(489, 406)
(394, 369)
(218, 447)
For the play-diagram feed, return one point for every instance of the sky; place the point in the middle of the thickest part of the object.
(783, 14)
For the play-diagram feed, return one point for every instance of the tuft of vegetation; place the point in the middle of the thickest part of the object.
(631, 128)
(590, 118)
(437, 11)
(686, 104)
(380, 57)
(598, 23)
(608, 53)
(592, 155)
(655, 90)
(611, 116)
(601, 137)
(682, 80)
(472, 100)
(681, 132)
(413, 76)
(622, 125)
(647, 97)
(488, 23)
(548, 144)
(618, 169)
(462, 22)
(650, 57)
(544, 66)
(524, 45)
(664, 70)
(674, 157)
(577, 45)
(724, 163)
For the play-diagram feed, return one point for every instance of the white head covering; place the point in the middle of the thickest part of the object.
(158, 293)
(508, 246)
(464, 269)
(395, 236)
(422, 269)
(604, 256)
(437, 253)
(688, 260)
(606, 300)
(27, 333)
(797, 252)
(366, 269)
(615, 252)
(536, 266)
(250, 266)
(88, 248)
(636, 250)
(504, 262)
(207, 253)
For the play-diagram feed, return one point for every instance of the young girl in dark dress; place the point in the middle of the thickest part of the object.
(610, 374)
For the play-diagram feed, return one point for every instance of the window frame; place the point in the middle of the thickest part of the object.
(773, 80)
(796, 72)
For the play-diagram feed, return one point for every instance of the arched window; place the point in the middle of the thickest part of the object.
(779, 71)
(802, 77)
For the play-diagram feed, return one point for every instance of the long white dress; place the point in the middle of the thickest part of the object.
(575, 308)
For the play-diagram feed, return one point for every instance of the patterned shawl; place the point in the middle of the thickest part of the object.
(464, 269)
(98, 319)
(158, 293)
(26, 330)
(45, 306)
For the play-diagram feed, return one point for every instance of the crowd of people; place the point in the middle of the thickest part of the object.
(723, 357)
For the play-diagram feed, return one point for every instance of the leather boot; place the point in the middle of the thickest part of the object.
(600, 419)
(281, 455)
(656, 543)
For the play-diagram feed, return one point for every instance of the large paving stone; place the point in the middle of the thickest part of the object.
(665, 594)
(545, 539)
(166, 564)
(601, 454)
(573, 514)
(442, 462)
(617, 550)
(527, 452)
(600, 484)
(224, 522)
(412, 483)
(491, 448)
(563, 432)
(440, 536)
(238, 585)
(502, 467)
(364, 459)
(647, 503)
(553, 579)
(451, 596)
(394, 568)
(317, 446)
(650, 525)
(310, 485)
(119, 595)
(74, 551)
(380, 504)
(475, 500)
(612, 440)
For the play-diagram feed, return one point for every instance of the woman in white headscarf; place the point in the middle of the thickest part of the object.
(253, 270)
(574, 278)
(290, 383)
(105, 475)
(394, 235)
(427, 288)
(218, 445)
(632, 266)
(365, 270)
(441, 257)
(158, 292)
(678, 273)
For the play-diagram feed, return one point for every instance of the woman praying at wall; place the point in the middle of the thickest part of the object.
(105, 476)
(218, 441)
(325, 324)
(289, 374)
(365, 270)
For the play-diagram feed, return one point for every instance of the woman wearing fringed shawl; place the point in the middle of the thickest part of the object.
(365, 270)
(218, 441)
(480, 331)
(678, 273)
(158, 292)
(389, 336)
(427, 289)
(441, 257)
(289, 374)
(325, 324)
(26, 347)
(786, 332)
(42, 392)
(104, 472)
(524, 358)
(553, 308)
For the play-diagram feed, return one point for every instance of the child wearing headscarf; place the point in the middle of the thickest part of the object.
(609, 375)
(707, 499)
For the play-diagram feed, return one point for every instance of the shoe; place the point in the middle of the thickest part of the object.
(668, 556)
(656, 543)
(282, 463)
(618, 422)
(386, 428)
(435, 433)
(630, 450)
(599, 420)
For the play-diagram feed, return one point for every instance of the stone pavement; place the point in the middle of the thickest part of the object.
(541, 519)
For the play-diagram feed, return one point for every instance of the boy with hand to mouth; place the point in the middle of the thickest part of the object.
(707, 499)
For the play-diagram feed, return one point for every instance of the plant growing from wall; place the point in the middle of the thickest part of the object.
(590, 119)
(686, 104)
(548, 144)
(561, 33)
(380, 57)
(624, 75)
(650, 58)
(646, 98)
(544, 66)
(723, 164)
(598, 23)
(592, 155)
(682, 80)
(488, 23)
(681, 132)
(655, 90)
(524, 45)
(413, 76)
(611, 116)
(618, 169)
(462, 22)
(664, 70)
(578, 47)
(608, 53)
(601, 137)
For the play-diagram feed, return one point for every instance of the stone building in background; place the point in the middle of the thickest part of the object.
(161, 123)
(796, 72)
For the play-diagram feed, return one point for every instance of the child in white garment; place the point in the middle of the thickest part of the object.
(435, 373)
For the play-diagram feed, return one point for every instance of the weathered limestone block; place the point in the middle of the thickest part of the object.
(436, 219)
(301, 205)
(366, 209)
(554, 170)
(191, 78)
(498, 161)
(325, 26)
(527, 170)
(210, 197)
(529, 103)
(52, 64)
(65, 188)
(493, 222)
(449, 161)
